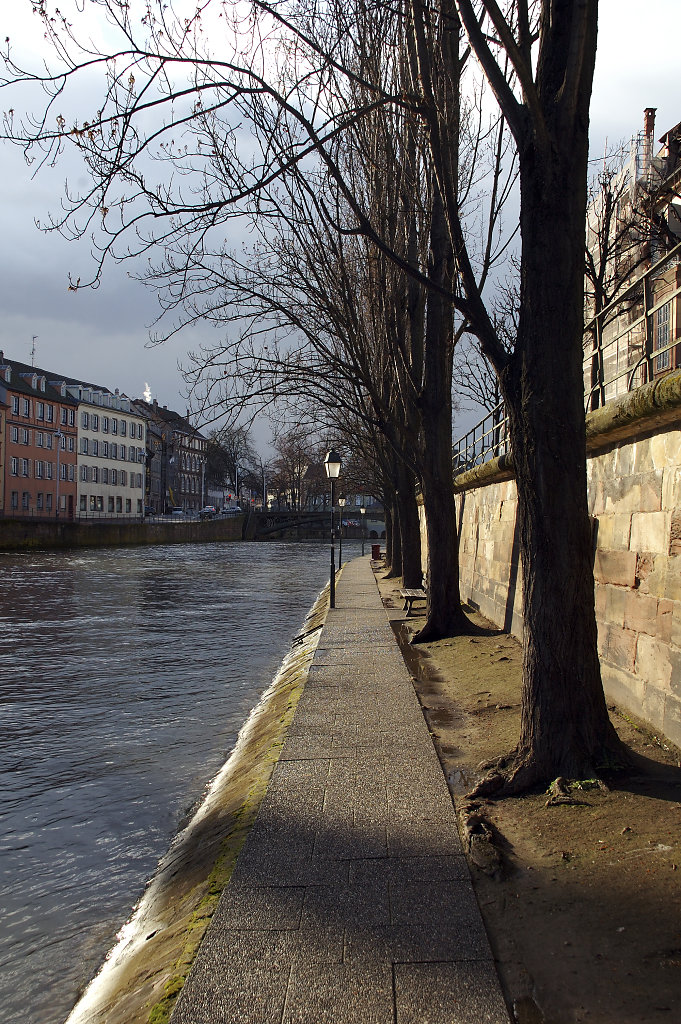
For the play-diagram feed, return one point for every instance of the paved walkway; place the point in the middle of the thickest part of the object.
(351, 901)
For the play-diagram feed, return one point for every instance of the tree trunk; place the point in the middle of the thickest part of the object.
(395, 567)
(410, 528)
(565, 728)
(444, 615)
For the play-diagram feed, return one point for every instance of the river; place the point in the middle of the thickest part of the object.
(125, 676)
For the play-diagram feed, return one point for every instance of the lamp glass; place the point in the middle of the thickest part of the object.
(332, 465)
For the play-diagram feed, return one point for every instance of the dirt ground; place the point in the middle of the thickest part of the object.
(581, 899)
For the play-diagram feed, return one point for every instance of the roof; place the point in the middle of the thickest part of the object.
(161, 413)
(19, 382)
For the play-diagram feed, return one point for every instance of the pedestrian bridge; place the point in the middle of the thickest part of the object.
(271, 522)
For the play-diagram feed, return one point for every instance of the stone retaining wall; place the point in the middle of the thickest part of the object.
(17, 534)
(634, 477)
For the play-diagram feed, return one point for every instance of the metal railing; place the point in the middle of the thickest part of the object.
(632, 341)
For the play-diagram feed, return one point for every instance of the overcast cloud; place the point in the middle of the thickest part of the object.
(102, 335)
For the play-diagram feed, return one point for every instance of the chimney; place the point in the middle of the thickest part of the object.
(649, 122)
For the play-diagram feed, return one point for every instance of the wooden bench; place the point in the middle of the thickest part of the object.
(409, 596)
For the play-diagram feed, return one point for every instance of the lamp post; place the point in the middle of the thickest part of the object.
(362, 512)
(341, 503)
(332, 465)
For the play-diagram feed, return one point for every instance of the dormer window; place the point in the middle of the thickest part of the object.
(43, 382)
(7, 374)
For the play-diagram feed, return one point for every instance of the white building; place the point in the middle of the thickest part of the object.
(111, 454)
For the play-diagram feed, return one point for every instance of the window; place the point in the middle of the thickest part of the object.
(72, 443)
(661, 339)
(121, 452)
(84, 446)
(95, 448)
(85, 420)
(40, 413)
(95, 421)
(63, 471)
(15, 404)
(139, 506)
(114, 426)
(39, 470)
(105, 424)
(124, 478)
(15, 435)
(119, 503)
(50, 413)
(15, 499)
(128, 504)
(40, 504)
(25, 467)
(39, 438)
(62, 442)
(100, 503)
(72, 417)
(94, 474)
(48, 441)
(83, 503)
(63, 417)
(26, 500)
(131, 454)
(93, 503)
(123, 428)
(49, 470)
(48, 502)
(114, 476)
(105, 475)
(25, 407)
(14, 467)
(72, 472)
(83, 473)
(110, 502)
(113, 451)
(105, 449)
(25, 436)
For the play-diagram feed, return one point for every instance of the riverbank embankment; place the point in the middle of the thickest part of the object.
(32, 534)
(141, 977)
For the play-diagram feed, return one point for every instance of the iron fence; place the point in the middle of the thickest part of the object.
(632, 341)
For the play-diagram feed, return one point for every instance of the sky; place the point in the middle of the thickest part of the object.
(102, 336)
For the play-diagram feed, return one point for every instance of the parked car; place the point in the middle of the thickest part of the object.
(208, 512)
(231, 510)
(177, 511)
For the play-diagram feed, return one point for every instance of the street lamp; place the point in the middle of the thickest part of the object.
(341, 502)
(362, 512)
(332, 465)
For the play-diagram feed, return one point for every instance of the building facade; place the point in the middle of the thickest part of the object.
(176, 457)
(40, 443)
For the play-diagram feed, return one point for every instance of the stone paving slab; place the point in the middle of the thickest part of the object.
(351, 901)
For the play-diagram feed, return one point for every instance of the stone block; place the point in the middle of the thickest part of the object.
(665, 449)
(614, 532)
(671, 582)
(623, 688)
(601, 599)
(653, 662)
(640, 612)
(616, 604)
(623, 495)
(652, 706)
(651, 491)
(624, 460)
(675, 638)
(675, 532)
(665, 618)
(671, 725)
(642, 457)
(671, 487)
(615, 567)
(650, 532)
(620, 648)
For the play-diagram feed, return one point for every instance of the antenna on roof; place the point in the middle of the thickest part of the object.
(35, 338)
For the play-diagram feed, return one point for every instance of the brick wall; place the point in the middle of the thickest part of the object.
(635, 499)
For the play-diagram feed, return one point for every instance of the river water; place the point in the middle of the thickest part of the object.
(125, 676)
